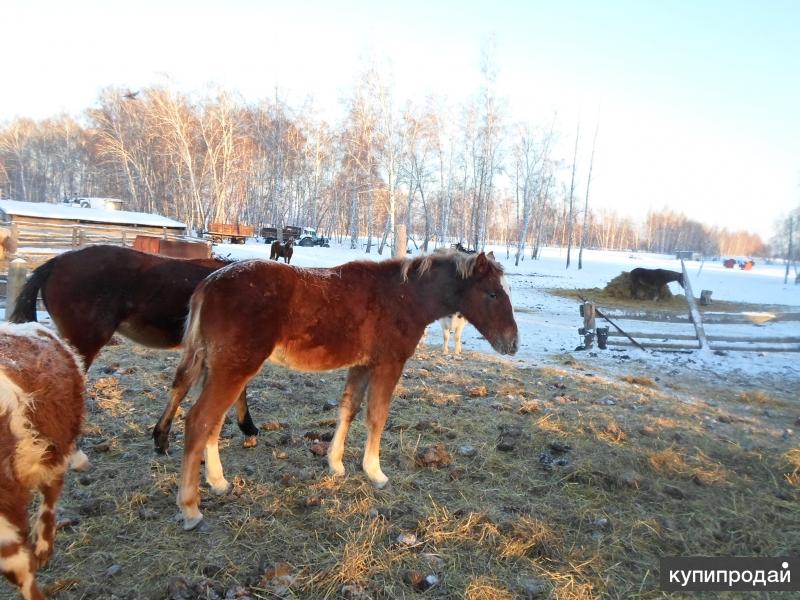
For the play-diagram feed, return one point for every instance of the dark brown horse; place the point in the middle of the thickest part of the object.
(367, 316)
(284, 251)
(652, 283)
(96, 291)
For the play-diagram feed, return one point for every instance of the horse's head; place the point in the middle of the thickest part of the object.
(290, 243)
(486, 303)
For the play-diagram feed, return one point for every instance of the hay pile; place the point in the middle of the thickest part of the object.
(620, 286)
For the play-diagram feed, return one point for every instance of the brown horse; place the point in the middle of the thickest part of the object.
(41, 411)
(653, 282)
(367, 316)
(284, 251)
(96, 291)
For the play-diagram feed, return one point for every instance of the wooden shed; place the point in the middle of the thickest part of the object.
(40, 230)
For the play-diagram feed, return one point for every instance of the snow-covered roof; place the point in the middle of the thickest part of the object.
(46, 210)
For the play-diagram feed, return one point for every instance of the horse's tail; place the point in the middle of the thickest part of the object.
(194, 350)
(25, 306)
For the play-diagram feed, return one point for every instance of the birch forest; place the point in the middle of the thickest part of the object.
(449, 172)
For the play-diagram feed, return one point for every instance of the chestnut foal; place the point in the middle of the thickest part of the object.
(367, 316)
(41, 411)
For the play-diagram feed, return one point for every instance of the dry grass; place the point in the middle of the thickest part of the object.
(639, 380)
(581, 507)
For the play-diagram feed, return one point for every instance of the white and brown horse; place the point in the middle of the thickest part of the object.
(41, 412)
(452, 324)
(368, 316)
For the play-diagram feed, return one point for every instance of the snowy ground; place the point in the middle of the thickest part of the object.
(548, 324)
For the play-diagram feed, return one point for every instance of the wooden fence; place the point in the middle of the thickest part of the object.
(36, 241)
(694, 330)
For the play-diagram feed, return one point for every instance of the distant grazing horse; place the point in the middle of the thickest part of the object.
(96, 291)
(41, 411)
(652, 283)
(459, 246)
(284, 251)
(367, 316)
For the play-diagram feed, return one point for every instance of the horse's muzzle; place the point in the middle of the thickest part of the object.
(508, 344)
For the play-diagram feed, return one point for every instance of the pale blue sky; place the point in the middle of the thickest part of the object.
(697, 101)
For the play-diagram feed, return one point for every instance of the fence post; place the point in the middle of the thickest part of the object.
(74, 237)
(17, 274)
(14, 244)
(165, 232)
(694, 312)
(80, 237)
(588, 324)
(124, 239)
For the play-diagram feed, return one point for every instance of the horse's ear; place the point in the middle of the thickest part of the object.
(491, 255)
(481, 263)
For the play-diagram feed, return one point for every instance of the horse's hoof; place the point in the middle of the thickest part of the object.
(337, 471)
(249, 442)
(197, 524)
(189, 523)
(220, 488)
(380, 484)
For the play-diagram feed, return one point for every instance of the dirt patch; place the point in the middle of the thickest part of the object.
(560, 483)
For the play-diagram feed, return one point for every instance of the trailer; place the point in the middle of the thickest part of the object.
(235, 232)
(270, 234)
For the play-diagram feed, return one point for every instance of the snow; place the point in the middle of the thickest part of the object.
(47, 210)
(549, 324)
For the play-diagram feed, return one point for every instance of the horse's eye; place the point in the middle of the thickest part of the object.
(492, 295)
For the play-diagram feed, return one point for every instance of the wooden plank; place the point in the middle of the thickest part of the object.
(757, 348)
(656, 346)
(708, 319)
(712, 338)
(655, 335)
(694, 311)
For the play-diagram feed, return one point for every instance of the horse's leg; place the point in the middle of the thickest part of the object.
(245, 421)
(180, 387)
(45, 528)
(459, 323)
(445, 323)
(354, 388)
(215, 477)
(16, 559)
(381, 385)
(218, 395)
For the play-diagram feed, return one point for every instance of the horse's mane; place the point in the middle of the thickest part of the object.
(464, 263)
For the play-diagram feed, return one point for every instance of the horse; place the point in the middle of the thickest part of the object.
(93, 292)
(367, 316)
(284, 251)
(452, 323)
(460, 247)
(41, 411)
(653, 282)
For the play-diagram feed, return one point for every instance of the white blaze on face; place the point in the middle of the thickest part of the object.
(506, 287)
